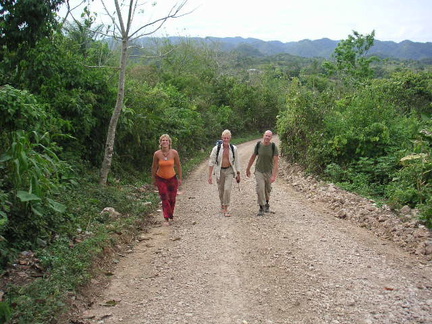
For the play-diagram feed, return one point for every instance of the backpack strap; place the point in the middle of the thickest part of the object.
(232, 150)
(257, 147)
(258, 144)
(217, 152)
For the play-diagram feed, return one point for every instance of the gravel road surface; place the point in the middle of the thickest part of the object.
(297, 264)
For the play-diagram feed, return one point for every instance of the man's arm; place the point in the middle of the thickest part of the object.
(251, 161)
(210, 179)
(212, 162)
(275, 168)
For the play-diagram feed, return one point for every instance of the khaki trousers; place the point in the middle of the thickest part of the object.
(263, 187)
(224, 185)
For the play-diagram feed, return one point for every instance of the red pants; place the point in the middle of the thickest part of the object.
(168, 193)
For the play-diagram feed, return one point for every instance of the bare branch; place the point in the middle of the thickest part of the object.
(116, 26)
(102, 67)
(159, 55)
(70, 10)
(124, 31)
(158, 23)
(131, 15)
(120, 18)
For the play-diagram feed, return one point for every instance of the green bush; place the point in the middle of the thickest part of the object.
(300, 123)
(369, 141)
(32, 174)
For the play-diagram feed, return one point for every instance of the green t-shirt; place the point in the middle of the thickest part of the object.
(264, 163)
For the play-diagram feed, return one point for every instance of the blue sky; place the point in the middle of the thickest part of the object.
(289, 20)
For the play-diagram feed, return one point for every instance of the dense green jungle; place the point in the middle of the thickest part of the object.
(358, 121)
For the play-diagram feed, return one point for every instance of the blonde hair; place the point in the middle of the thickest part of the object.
(165, 136)
(226, 132)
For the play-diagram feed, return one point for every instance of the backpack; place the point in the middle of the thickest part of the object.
(219, 144)
(258, 144)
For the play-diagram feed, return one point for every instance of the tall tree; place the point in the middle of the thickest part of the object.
(351, 59)
(125, 32)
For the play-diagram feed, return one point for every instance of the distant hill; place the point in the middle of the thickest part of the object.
(406, 50)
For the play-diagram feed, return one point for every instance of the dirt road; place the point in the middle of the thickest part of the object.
(297, 264)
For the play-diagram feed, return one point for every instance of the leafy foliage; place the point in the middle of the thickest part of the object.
(351, 63)
(371, 139)
(31, 171)
(24, 23)
(301, 125)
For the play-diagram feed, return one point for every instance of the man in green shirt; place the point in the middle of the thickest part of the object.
(266, 170)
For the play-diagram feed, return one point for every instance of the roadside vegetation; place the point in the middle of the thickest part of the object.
(357, 121)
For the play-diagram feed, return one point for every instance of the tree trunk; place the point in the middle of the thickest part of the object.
(109, 145)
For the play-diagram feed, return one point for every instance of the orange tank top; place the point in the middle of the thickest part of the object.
(166, 169)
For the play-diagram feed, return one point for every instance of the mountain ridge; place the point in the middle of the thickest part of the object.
(324, 47)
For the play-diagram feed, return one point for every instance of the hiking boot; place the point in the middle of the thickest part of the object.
(266, 208)
(261, 211)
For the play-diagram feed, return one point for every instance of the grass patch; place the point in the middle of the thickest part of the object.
(56, 272)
